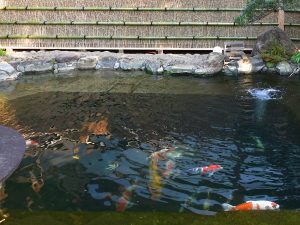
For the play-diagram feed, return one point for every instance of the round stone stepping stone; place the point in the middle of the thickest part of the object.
(12, 148)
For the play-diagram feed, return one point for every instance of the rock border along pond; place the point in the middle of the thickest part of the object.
(63, 62)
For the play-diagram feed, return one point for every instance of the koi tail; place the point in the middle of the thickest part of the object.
(227, 207)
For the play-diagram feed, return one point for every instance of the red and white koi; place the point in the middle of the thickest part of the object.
(124, 201)
(210, 170)
(161, 154)
(31, 143)
(252, 205)
(170, 165)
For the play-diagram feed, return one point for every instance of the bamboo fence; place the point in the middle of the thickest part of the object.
(128, 3)
(126, 24)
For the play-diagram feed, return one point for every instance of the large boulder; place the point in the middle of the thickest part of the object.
(213, 64)
(152, 66)
(107, 62)
(266, 41)
(7, 72)
(132, 62)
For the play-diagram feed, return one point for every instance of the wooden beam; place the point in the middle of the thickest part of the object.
(281, 19)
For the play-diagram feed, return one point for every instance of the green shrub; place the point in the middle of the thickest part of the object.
(270, 64)
(2, 52)
(296, 57)
(276, 54)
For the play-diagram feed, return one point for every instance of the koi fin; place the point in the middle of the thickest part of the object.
(210, 174)
(227, 207)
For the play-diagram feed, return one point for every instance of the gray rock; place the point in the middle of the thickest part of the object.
(160, 70)
(66, 67)
(134, 62)
(257, 63)
(231, 69)
(271, 70)
(107, 62)
(213, 64)
(284, 68)
(266, 41)
(88, 62)
(153, 66)
(180, 69)
(117, 65)
(7, 72)
(6, 76)
(35, 67)
(64, 57)
(7, 68)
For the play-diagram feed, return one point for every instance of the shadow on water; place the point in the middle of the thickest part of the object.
(95, 151)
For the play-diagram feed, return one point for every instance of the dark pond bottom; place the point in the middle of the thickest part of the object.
(150, 218)
(94, 143)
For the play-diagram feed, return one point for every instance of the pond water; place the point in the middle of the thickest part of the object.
(95, 137)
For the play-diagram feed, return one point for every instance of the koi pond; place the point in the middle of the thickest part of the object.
(149, 146)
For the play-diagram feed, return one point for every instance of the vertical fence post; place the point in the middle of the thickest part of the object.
(281, 18)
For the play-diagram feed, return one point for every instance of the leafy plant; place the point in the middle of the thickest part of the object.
(275, 54)
(270, 65)
(2, 52)
(255, 10)
(296, 57)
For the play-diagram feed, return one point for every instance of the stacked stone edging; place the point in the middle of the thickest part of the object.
(61, 62)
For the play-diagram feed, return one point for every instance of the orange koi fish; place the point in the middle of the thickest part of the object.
(210, 170)
(97, 128)
(36, 183)
(251, 205)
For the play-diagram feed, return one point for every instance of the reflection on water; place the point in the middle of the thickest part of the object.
(131, 151)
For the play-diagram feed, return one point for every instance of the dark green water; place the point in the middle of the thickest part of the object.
(83, 165)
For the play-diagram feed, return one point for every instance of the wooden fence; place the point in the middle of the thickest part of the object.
(127, 24)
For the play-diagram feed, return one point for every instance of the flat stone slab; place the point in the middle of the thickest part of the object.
(12, 148)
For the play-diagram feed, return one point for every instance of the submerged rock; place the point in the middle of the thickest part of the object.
(66, 67)
(35, 67)
(180, 69)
